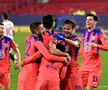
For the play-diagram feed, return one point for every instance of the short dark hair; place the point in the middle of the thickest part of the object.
(95, 17)
(1, 23)
(48, 21)
(5, 16)
(69, 21)
(34, 26)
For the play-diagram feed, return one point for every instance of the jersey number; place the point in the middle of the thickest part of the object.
(28, 45)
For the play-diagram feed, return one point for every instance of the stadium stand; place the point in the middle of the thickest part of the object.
(56, 7)
(81, 1)
(61, 8)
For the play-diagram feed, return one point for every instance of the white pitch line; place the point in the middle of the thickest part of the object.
(103, 86)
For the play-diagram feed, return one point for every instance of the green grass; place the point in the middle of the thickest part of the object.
(20, 40)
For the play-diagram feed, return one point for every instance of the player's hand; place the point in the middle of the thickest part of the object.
(93, 45)
(59, 37)
(66, 62)
(17, 65)
(23, 63)
(68, 58)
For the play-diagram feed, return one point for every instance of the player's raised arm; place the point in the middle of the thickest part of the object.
(68, 41)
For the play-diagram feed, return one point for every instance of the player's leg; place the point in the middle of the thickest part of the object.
(84, 77)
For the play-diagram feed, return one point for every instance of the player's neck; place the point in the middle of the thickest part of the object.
(91, 29)
(5, 20)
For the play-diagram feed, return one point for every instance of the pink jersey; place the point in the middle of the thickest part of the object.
(5, 45)
(29, 72)
(73, 52)
(91, 55)
(50, 70)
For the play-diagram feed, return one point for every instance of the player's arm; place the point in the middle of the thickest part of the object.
(75, 43)
(18, 61)
(39, 45)
(68, 41)
(103, 39)
(53, 50)
(71, 42)
(17, 52)
(80, 52)
(32, 58)
(102, 47)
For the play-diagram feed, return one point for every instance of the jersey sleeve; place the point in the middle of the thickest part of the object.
(104, 40)
(103, 47)
(13, 45)
(39, 45)
(32, 58)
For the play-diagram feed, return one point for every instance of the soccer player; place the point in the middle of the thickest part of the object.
(72, 80)
(8, 30)
(5, 44)
(93, 40)
(34, 50)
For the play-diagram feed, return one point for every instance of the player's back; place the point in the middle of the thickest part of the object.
(30, 45)
(46, 39)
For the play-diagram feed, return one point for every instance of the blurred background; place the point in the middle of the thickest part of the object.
(24, 12)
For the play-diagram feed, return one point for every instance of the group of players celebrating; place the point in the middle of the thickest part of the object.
(51, 58)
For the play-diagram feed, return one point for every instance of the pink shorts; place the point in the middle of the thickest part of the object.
(46, 85)
(91, 78)
(27, 77)
(5, 80)
(72, 82)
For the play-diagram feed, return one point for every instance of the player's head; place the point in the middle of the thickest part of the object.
(49, 21)
(69, 27)
(1, 30)
(91, 21)
(4, 16)
(37, 28)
